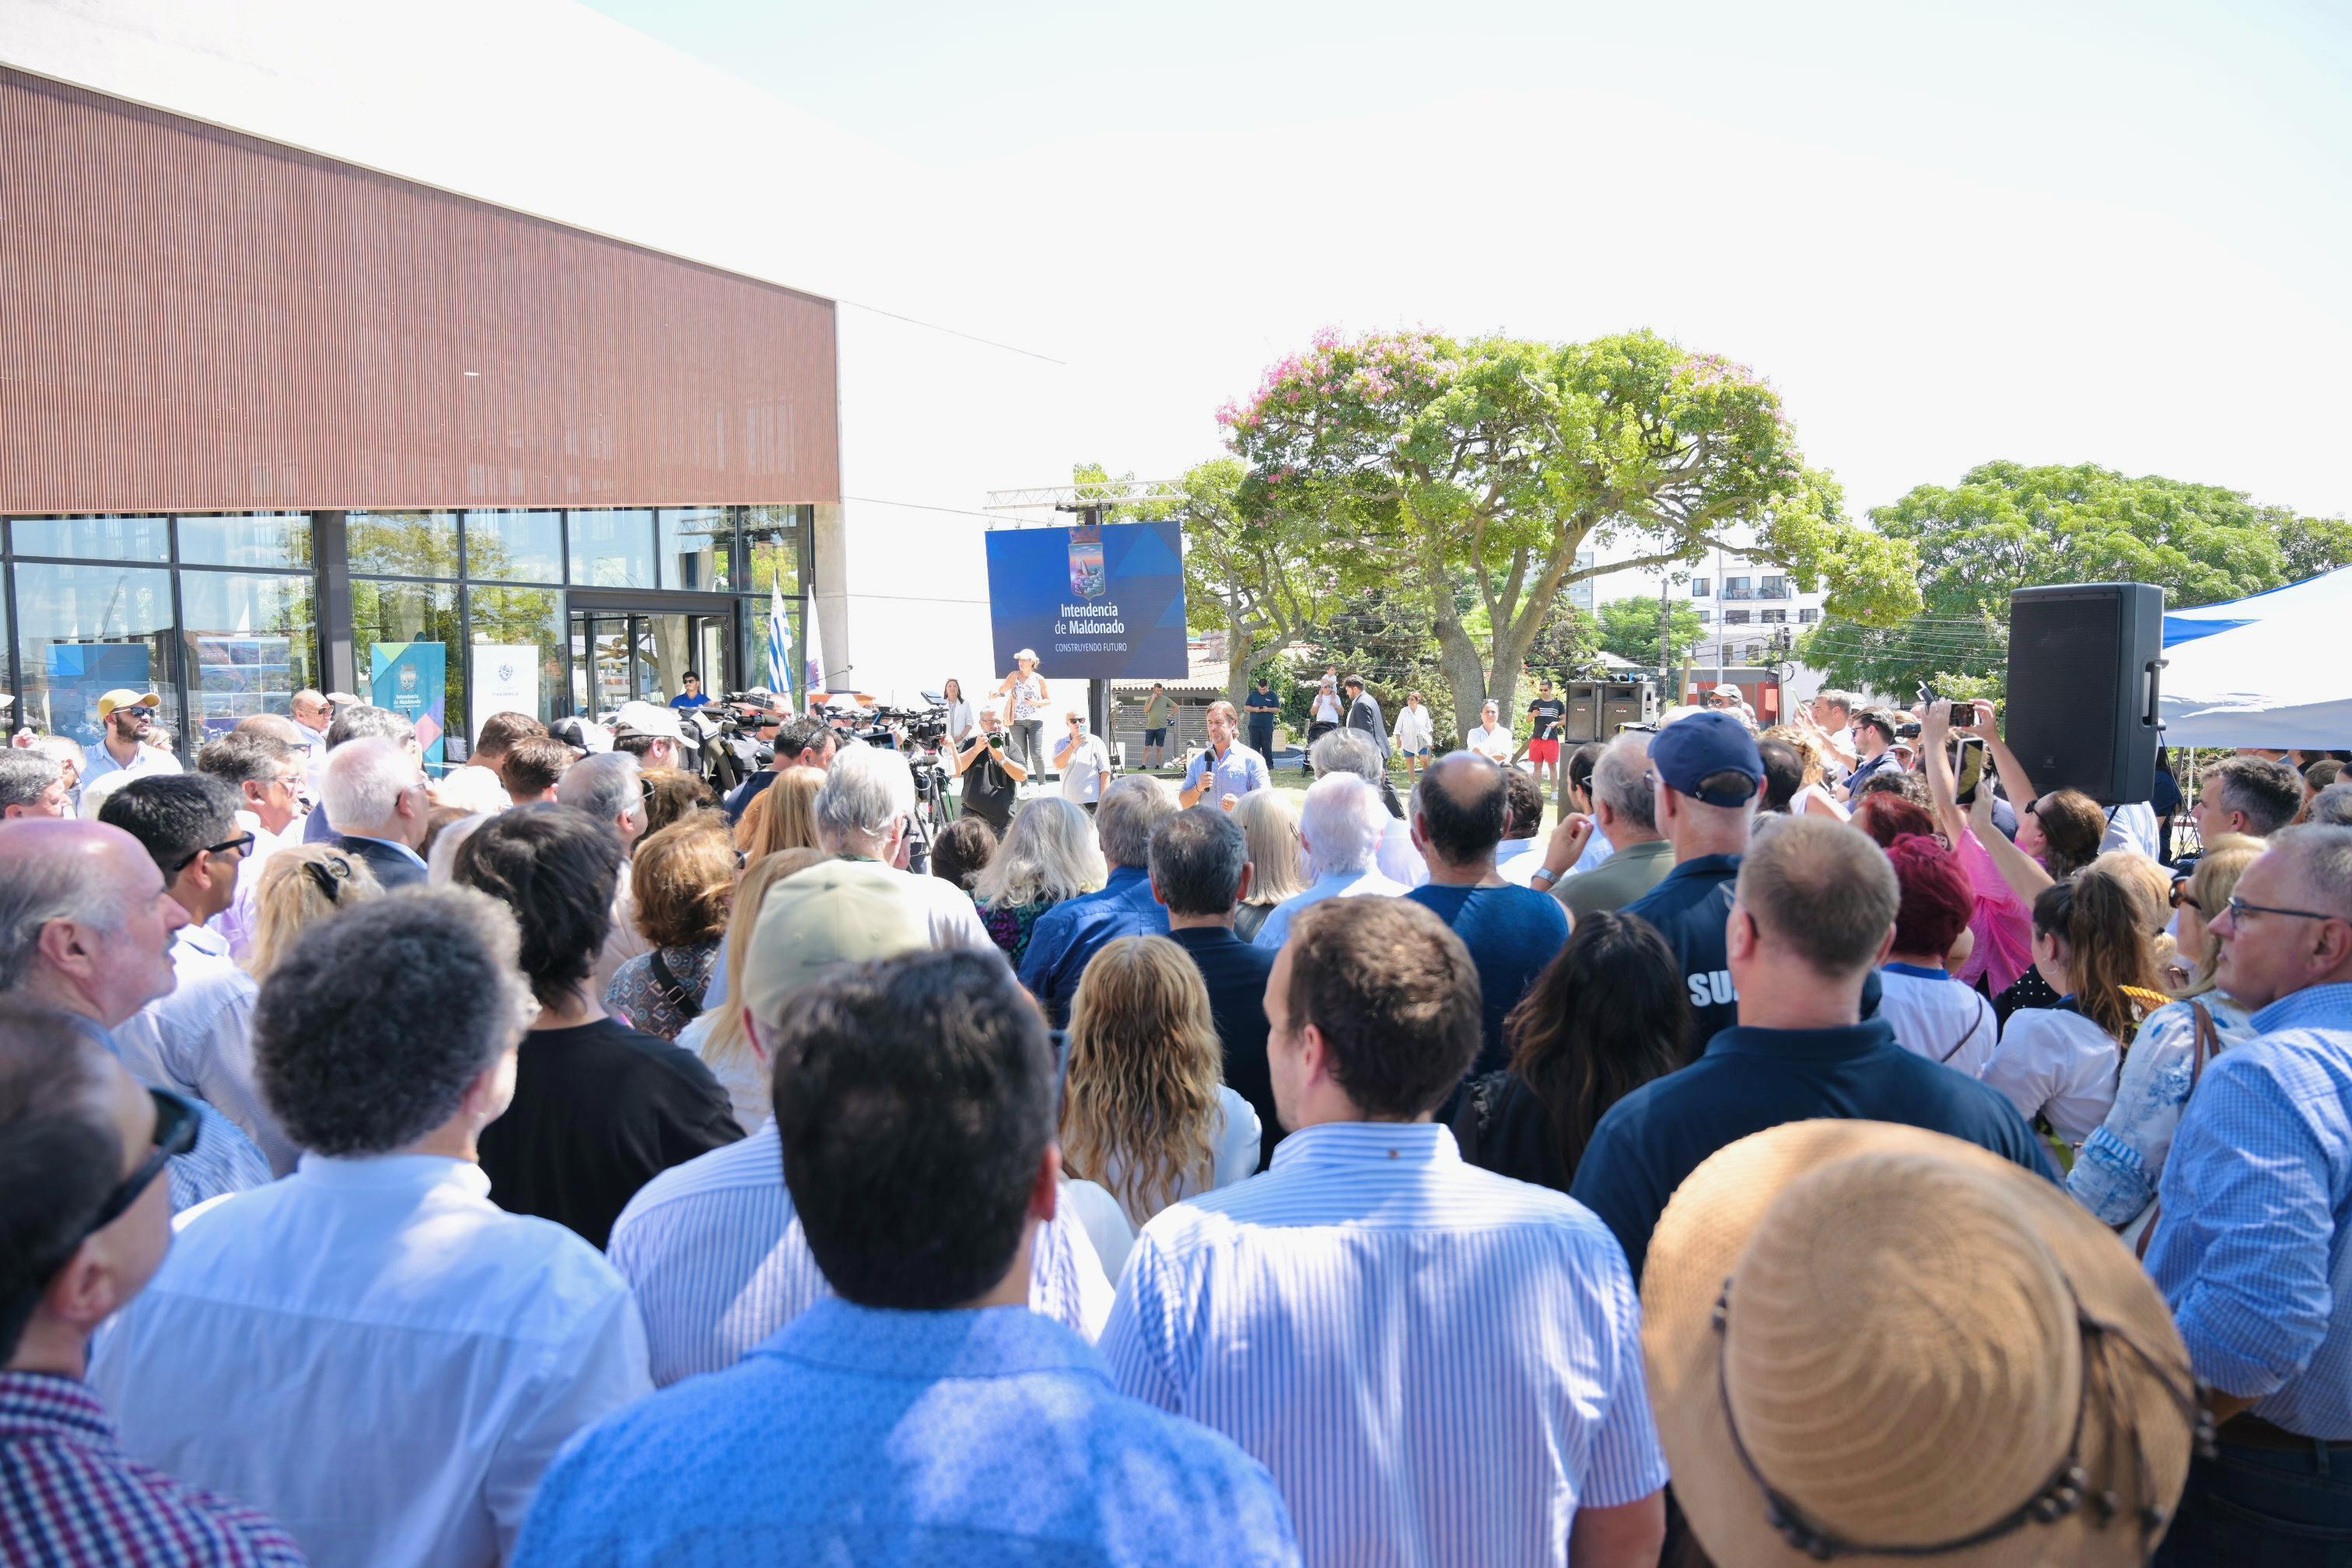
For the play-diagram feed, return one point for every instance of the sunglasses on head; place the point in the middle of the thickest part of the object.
(329, 872)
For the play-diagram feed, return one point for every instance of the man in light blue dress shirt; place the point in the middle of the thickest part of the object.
(2253, 1241)
(924, 1415)
(1439, 1365)
(87, 927)
(1226, 770)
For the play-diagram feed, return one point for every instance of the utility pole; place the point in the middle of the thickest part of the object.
(1665, 643)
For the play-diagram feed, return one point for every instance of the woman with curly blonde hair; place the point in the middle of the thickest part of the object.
(300, 886)
(781, 816)
(1145, 1114)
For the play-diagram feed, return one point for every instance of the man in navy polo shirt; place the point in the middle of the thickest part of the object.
(1812, 914)
(1705, 778)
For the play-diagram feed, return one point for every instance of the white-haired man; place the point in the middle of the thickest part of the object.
(375, 796)
(863, 811)
(1340, 826)
(606, 788)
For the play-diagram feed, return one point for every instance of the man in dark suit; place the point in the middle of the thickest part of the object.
(1201, 872)
(373, 793)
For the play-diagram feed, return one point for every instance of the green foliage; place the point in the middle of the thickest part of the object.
(1379, 634)
(2007, 526)
(1629, 628)
(1427, 459)
(1258, 570)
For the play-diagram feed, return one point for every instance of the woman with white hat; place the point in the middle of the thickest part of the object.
(1029, 695)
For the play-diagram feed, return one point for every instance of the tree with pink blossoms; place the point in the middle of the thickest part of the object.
(1429, 460)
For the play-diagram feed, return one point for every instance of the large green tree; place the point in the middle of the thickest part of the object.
(1258, 570)
(1629, 628)
(1425, 458)
(2007, 526)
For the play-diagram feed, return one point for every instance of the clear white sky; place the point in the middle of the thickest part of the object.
(2062, 231)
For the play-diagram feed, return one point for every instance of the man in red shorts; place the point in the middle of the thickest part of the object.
(1542, 750)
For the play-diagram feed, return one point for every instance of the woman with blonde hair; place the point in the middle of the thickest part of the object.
(781, 816)
(1269, 822)
(1145, 1112)
(717, 1034)
(1049, 854)
(2116, 1175)
(300, 886)
(681, 885)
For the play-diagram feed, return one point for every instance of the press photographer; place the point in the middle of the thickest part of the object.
(991, 779)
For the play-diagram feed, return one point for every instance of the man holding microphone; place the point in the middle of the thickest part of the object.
(1224, 768)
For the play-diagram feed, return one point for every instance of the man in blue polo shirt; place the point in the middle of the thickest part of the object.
(1705, 777)
(1227, 770)
(1067, 936)
(1812, 914)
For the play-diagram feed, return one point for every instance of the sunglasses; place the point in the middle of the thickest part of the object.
(176, 1122)
(242, 844)
(2181, 897)
(328, 873)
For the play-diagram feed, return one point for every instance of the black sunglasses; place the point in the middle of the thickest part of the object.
(176, 1122)
(242, 844)
(326, 871)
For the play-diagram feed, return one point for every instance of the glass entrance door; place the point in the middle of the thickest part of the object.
(642, 656)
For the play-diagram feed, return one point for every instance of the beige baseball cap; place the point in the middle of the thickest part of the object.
(844, 912)
(124, 696)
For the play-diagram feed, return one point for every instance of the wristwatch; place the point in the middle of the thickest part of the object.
(1545, 874)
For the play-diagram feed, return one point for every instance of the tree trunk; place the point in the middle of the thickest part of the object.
(1241, 648)
(1465, 675)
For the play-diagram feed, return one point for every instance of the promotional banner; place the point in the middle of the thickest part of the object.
(412, 679)
(79, 672)
(506, 680)
(1094, 604)
(237, 676)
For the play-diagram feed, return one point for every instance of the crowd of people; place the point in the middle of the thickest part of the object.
(1818, 1143)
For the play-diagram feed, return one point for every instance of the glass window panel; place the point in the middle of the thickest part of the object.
(514, 546)
(695, 543)
(752, 663)
(516, 619)
(387, 614)
(773, 535)
(404, 543)
(249, 646)
(145, 539)
(269, 540)
(86, 630)
(612, 549)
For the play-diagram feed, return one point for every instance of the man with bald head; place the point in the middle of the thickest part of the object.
(86, 927)
(2253, 1234)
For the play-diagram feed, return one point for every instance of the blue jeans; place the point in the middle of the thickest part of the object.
(2274, 1508)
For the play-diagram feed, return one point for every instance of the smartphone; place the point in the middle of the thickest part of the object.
(1968, 771)
(1964, 714)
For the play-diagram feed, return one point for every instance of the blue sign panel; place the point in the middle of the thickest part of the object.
(1095, 604)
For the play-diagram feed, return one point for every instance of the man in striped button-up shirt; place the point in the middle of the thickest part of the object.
(1437, 1363)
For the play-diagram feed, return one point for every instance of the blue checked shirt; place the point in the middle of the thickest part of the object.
(2252, 1247)
(224, 1160)
(919, 1440)
(1438, 1365)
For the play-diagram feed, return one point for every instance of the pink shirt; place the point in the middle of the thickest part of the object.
(2003, 925)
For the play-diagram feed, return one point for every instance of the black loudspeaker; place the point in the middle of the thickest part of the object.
(1623, 703)
(1583, 720)
(2084, 663)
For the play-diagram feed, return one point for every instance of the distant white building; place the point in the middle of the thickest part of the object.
(1749, 610)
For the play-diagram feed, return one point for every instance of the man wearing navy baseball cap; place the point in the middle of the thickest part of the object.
(1705, 778)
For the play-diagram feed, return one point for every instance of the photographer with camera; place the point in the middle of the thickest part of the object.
(992, 779)
(1084, 763)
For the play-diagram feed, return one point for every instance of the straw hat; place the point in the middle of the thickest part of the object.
(1867, 1336)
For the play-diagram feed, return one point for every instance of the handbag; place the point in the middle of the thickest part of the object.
(2209, 1044)
(684, 1002)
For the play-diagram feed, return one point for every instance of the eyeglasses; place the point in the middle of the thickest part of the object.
(2239, 909)
(176, 1120)
(2180, 898)
(328, 871)
(242, 844)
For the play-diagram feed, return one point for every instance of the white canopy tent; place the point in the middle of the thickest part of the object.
(2269, 671)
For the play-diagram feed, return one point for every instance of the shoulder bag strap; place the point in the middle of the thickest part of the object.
(672, 992)
(1967, 1034)
(2209, 1042)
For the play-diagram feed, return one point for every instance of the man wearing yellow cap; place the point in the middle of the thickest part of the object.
(124, 718)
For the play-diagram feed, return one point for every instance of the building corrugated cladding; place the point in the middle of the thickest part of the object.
(195, 319)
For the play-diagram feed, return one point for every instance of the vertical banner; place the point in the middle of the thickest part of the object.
(411, 679)
(506, 680)
(1095, 603)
